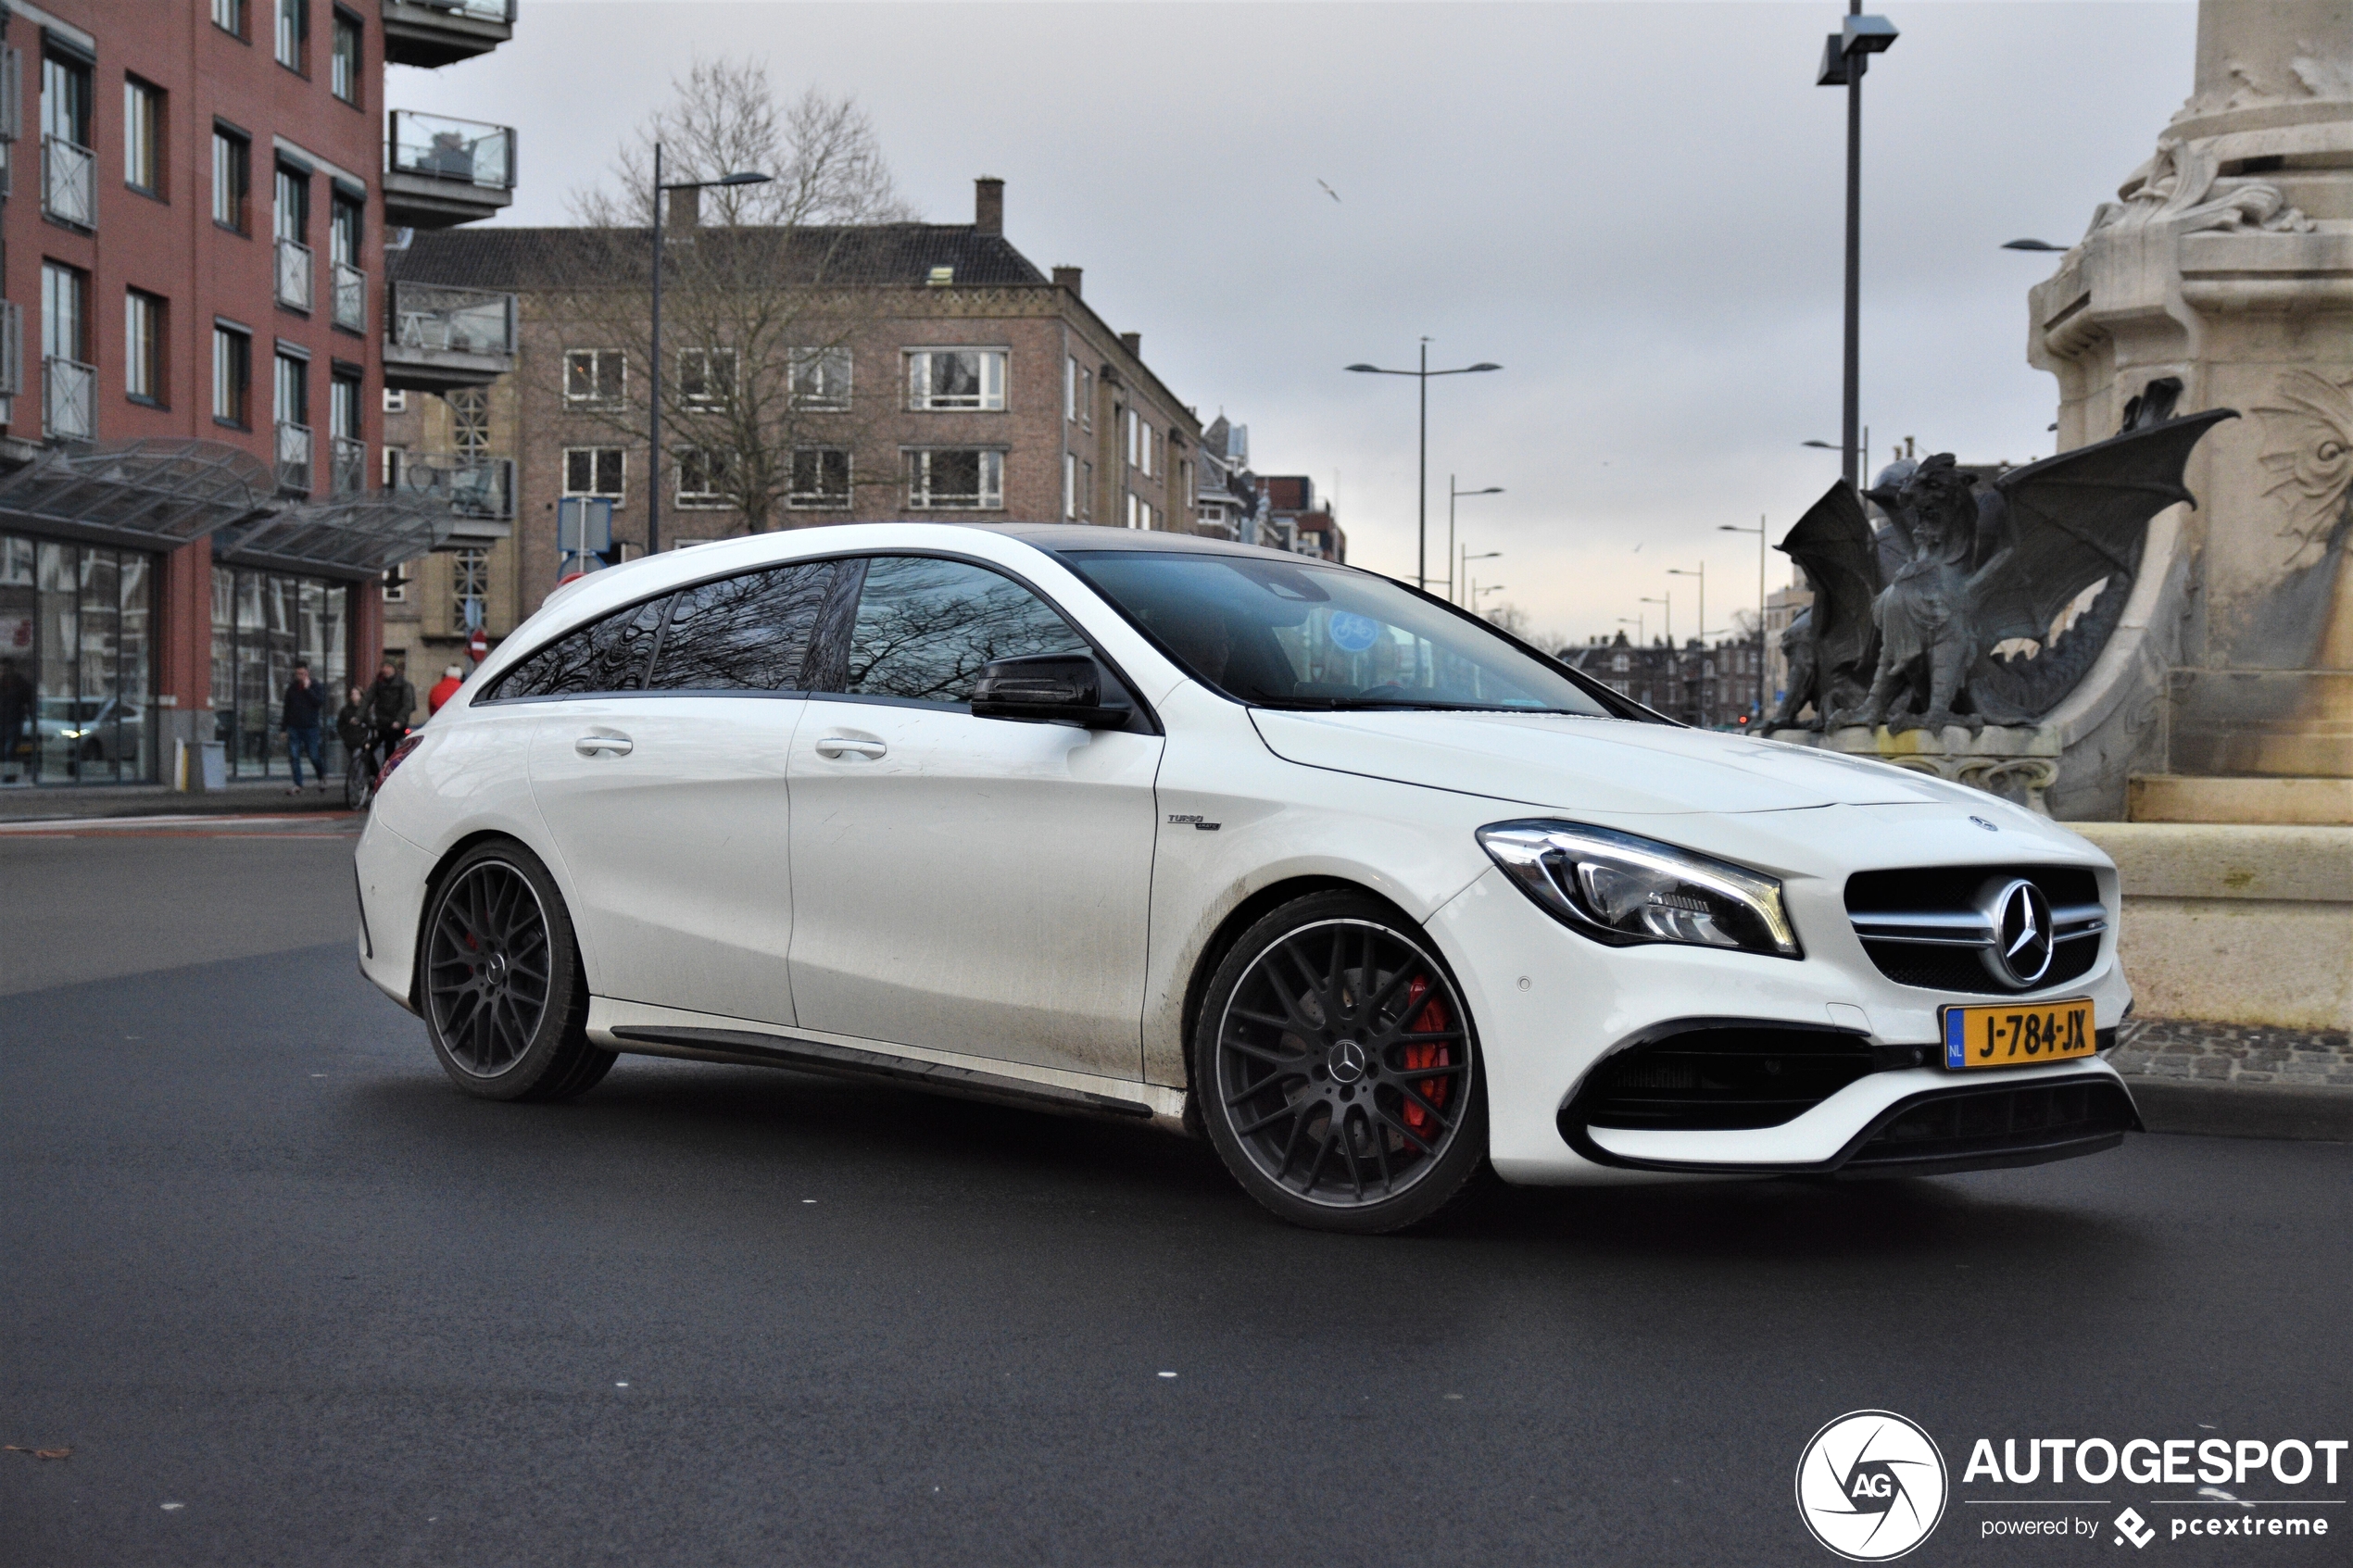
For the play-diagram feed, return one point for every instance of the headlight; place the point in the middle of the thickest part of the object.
(1619, 889)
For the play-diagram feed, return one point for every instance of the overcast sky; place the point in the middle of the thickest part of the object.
(1635, 208)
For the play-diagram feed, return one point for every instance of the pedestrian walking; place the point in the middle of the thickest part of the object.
(390, 701)
(444, 689)
(299, 716)
(351, 723)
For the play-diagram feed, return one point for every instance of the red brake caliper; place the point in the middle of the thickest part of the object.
(1432, 1019)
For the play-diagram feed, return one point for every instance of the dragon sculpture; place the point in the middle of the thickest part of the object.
(1905, 618)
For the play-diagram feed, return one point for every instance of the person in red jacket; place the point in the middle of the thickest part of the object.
(444, 689)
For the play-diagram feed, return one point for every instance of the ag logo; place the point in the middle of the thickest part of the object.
(1871, 1485)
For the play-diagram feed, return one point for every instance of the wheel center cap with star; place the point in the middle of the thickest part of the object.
(1346, 1061)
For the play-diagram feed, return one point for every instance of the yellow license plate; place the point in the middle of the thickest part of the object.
(2018, 1036)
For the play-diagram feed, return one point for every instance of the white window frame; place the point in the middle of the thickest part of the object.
(700, 500)
(996, 373)
(1140, 512)
(825, 361)
(801, 500)
(593, 397)
(591, 453)
(1070, 389)
(287, 27)
(143, 342)
(728, 370)
(396, 400)
(1070, 484)
(922, 498)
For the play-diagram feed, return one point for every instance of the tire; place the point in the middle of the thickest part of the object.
(504, 995)
(1335, 1108)
(359, 783)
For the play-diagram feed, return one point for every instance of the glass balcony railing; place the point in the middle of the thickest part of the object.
(442, 317)
(69, 399)
(294, 457)
(474, 487)
(351, 297)
(294, 274)
(347, 470)
(69, 183)
(476, 10)
(463, 150)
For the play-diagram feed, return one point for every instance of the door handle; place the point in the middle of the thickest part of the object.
(589, 745)
(834, 746)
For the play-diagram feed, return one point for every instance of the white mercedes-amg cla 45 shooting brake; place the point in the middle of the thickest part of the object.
(1275, 851)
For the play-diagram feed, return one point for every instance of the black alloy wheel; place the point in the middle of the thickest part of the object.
(506, 1002)
(1335, 1068)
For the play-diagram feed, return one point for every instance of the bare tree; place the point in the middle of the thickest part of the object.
(764, 287)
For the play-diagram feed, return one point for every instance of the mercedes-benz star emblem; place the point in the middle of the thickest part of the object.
(2021, 919)
(1348, 1062)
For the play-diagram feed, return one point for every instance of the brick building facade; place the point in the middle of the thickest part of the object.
(192, 361)
(1051, 414)
(1711, 687)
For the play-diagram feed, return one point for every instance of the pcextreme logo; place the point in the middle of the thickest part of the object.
(1871, 1486)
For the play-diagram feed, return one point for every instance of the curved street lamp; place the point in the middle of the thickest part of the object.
(653, 378)
(1453, 495)
(1421, 524)
(1759, 531)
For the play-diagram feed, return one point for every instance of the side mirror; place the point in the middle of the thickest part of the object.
(1047, 685)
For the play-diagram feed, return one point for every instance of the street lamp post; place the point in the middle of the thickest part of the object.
(1759, 531)
(653, 375)
(1667, 604)
(1844, 58)
(1421, 491)
(1636, 623)
(1454, 584)
(1702, 575)
(1463, 567)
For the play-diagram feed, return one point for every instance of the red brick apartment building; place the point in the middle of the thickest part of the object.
(194, 353)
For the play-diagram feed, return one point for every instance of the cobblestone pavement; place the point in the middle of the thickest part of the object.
(2229, 1053)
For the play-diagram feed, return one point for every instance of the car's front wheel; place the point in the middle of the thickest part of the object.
(1335, 1068)
(505, 1001)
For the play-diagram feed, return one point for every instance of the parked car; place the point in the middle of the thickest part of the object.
(1368, 892)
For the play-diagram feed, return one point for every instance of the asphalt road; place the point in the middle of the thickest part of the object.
(290, 1298)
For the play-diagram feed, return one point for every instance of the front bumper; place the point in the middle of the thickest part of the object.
(1552, 1005)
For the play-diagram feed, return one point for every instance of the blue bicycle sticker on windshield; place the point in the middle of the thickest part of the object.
(1355, 633)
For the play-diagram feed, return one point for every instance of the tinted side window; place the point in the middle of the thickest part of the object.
(742, 634)
(925, 627)
(605, 656)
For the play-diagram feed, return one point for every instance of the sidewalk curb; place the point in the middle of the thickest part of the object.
(2243, 1111)
(129, 801)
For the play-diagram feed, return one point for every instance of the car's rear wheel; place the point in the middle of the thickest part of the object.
(1335, 1068)
(506, 1002)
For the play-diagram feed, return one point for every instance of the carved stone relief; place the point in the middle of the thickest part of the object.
(2308, 450)
(2182, 187)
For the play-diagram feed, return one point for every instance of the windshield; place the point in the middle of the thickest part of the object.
(1316, 636)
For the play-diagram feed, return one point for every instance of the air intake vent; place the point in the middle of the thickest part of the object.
(1720, 1079)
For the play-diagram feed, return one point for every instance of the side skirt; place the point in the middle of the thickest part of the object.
(750, 1047)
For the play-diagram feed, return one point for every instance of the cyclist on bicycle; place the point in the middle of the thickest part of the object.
(390, 701)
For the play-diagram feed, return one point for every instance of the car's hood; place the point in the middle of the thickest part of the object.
(1601, 765)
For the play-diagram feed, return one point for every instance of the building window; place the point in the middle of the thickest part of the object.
(706, 377)
(470, 588)
(1086, 492)
(346, 453)
(343, 73)
(1070, 487)
(1619, 664)
(294, 30)
(468, 421)
(231, 177)
(142, 341)
(290, 223)
(69, 384)
(228, 16)
(595, 470)
(232, 376)
(394, 457)
(1137, 437)
(68, 189)
(396, 400)
(1070, 389)
(940, 478)
(1139, 511)
(142, 123)
(820, 379)
(706, 476)
(290, 405)
(820, 479)
(955, 378)
(396, 584)
(594, 375)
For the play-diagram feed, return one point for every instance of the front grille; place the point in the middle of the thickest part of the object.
(1926, 927)
(1719, 1079)
(2025, 1123)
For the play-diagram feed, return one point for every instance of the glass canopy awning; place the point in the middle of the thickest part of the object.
(160, 494)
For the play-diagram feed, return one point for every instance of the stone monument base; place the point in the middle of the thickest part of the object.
(2018, 763)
